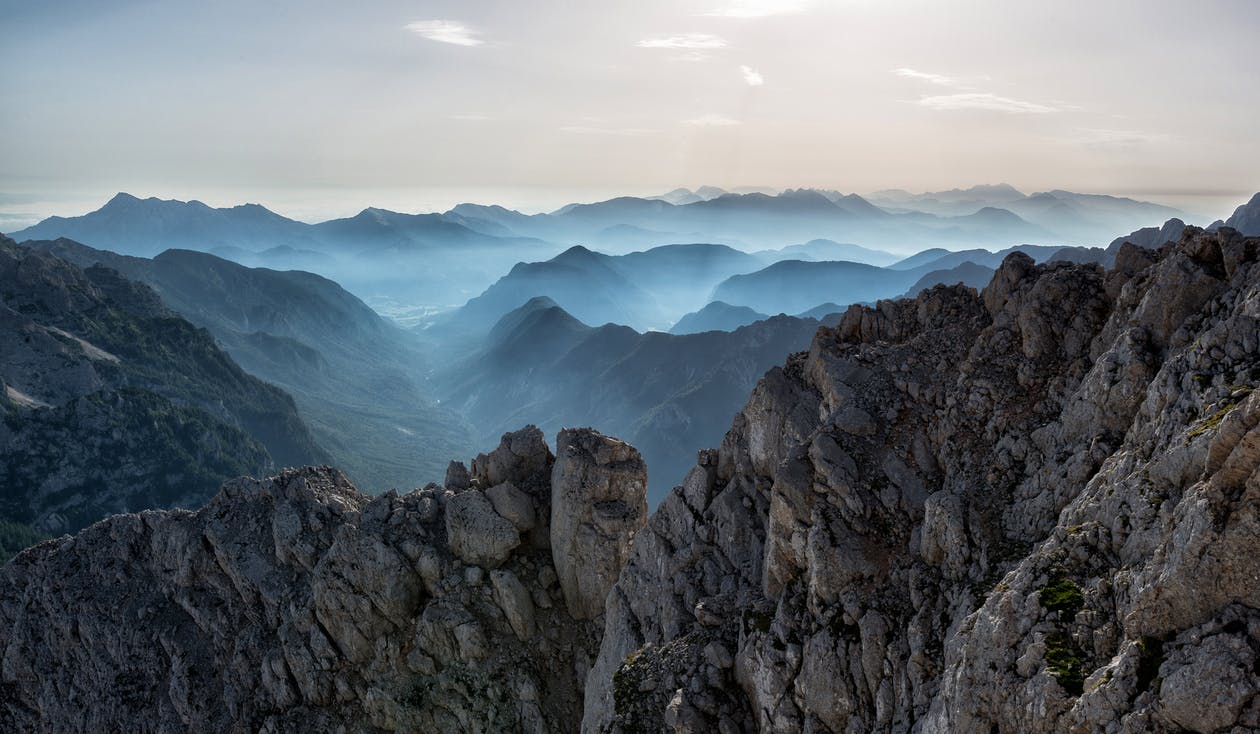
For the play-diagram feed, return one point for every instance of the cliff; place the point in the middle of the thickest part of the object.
(1031, 509)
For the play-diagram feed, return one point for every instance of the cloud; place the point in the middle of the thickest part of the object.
(684, 40)
(757, 8)
(751, 76)
(692, 56)
(712, 121)
(941, 79)
(1099, 137)
(445, 31)
(593, 130)
(984, 101)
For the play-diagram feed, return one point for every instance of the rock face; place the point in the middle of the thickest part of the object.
(1035, 508)
(1032, 509)
(299, 604)
(598, 503)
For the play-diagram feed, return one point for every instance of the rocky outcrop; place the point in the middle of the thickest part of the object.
(298, 604)
(598, 503)
(1026, 510)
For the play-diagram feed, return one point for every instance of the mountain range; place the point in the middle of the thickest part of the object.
(428, 260)
(358, 380)
(414, 264)
(671, 393)
(644, 290)
(716, 316)
(1076, 218)
(388, 403)
(113, 403)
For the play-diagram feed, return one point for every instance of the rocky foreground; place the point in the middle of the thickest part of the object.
(1032, 509)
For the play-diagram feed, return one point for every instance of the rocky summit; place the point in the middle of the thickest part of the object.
(1032, 508)
(298, 604)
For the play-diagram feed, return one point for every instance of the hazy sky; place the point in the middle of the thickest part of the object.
(320, 108)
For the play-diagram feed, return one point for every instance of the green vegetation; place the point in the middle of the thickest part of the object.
(1213, 421)
(626, 687)
(171, 417)
(16, 537)
(1063, 660)
(1063, 596)
(120, 449)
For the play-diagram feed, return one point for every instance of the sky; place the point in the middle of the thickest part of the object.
(318, 108)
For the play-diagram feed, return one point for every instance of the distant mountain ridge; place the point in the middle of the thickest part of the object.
(1079, 219)
(380, 255)
(672, 393)
(1246, 218)
(357, 379)
(794, 286)
(644, 290)
(716, 316)
(404, 264)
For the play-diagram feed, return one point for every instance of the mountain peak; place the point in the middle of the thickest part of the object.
(998, 189)
(122, 197)
(538, 302)
(1246, 218)
(576, 252)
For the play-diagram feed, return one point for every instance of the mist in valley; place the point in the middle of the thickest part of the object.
(406, 339)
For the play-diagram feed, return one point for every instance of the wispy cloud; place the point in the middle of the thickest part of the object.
(941, 79)
(713, 121)
(758, 8)
(684, 40)
(471, 118)
(445, 31)
(692, 56)
(984, 101)
(1099, 137)
(751, 76)
(595, 130)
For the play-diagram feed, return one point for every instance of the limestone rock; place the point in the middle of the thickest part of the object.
(476, 533)
(514, 599)
(1030, 509)
(598, 503)
(513, 505)
(520, 455)
(298, 604)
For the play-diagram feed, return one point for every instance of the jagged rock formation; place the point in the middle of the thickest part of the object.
(598, 503)
(298, 604)
(1027, 510)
